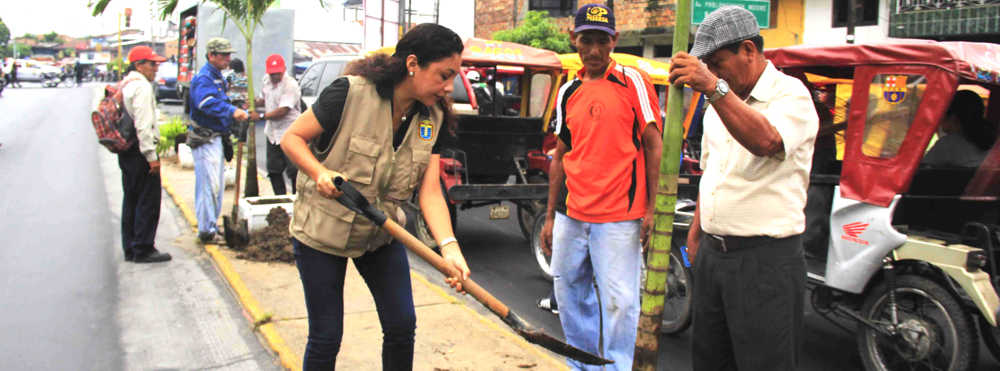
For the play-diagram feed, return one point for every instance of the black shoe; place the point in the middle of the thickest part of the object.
(152, 256)
(129, 257)
(214, 238)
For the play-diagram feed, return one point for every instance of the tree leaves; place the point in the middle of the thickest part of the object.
(537, 31)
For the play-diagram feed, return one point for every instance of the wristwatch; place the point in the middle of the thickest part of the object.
(721, 89)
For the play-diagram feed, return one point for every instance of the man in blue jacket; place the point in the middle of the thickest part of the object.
(212, 114)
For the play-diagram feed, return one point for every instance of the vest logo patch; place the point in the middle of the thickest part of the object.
(426, 130)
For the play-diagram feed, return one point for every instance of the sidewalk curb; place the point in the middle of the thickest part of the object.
(274, 340)
(277, 343)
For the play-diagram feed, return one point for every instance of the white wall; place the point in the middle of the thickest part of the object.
(819, 25)
(459, 16)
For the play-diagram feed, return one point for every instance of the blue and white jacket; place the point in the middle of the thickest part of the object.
(210, 106)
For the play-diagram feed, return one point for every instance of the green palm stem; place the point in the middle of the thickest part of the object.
(658, 255)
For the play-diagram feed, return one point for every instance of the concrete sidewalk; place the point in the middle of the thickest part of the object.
(453, 333)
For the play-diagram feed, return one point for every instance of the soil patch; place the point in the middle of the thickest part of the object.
(272, 243)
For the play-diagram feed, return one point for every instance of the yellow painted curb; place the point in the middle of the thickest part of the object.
(274, 340)
(492, 325)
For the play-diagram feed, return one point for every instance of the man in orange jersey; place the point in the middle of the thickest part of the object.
(608, 154)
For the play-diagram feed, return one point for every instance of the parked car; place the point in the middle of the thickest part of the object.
(320, 74)
(34, 71)
(166, 81)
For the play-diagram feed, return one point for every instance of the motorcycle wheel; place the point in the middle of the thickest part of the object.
(677, 299)
(934, 332)
(423, 231)
(544, 261)
(526, 210)
(991, 336)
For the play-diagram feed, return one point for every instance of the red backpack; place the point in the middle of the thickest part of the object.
(114, 126)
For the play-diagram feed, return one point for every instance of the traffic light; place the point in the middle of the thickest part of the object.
(128, 16)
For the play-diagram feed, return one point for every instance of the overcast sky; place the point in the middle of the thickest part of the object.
(72, 17)
(69, 17)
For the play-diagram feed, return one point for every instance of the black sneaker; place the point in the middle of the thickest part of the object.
(214, 238)
(547, 304)
(152, 256)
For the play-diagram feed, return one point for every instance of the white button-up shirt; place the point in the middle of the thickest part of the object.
(741, 194)
(283, 94)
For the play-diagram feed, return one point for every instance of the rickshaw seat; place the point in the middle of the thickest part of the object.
(934, 201)
(492, 142)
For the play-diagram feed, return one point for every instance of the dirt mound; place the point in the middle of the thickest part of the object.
(273, 243)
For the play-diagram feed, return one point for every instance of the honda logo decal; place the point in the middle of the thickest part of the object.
(853, 231)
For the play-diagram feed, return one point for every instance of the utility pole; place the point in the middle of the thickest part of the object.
(851, 7)
(658, 256)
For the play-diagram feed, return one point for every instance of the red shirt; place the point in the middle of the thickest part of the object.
(602, 121)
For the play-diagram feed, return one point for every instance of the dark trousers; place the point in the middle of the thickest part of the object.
(278, 164)
(387, 273)
(747, 304)
(140, 204)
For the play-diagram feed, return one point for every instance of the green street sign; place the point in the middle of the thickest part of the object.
(760, 9)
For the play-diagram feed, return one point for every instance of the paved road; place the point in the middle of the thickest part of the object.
(70, 302)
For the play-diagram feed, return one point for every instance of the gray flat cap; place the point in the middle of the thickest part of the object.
(722, 27)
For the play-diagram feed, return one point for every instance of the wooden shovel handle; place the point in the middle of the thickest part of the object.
(444, 267)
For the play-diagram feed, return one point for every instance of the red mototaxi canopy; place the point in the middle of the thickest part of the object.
(970, 60)
(491, 52)
(944, 63)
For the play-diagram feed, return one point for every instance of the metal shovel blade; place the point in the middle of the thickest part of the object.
(235, 231)
(546, 341)
(353, 200)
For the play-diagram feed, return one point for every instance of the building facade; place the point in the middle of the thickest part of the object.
(965, 20)
(645, 27)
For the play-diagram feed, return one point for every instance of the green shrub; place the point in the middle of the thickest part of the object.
(168, 132)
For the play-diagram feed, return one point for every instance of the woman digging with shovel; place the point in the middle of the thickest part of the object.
(377, 128)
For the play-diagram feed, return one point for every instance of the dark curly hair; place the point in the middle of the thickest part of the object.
(429, 43)
(237, 65)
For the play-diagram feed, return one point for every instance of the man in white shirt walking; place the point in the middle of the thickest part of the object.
(279, 94)
(757, 150)
(140, 164)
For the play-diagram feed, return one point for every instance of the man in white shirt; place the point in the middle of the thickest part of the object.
(757, 150)
(280, 97)
(140, 164)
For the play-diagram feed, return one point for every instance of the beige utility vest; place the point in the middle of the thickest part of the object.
(361, 149)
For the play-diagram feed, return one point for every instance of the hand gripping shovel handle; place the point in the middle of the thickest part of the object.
(353, 200)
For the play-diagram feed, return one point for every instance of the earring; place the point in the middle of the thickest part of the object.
(411, 73)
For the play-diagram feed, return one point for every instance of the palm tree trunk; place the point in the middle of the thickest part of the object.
(658, 256)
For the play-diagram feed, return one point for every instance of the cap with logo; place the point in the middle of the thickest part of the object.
(219, 45)
(594, 17)
(143, 53)
(275, 64)
(724, 26)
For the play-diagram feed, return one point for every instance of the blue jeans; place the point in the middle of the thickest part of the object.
(209, 182)
(387, 273)
(610, 255)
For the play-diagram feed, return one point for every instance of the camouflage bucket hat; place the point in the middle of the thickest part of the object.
(219, 45)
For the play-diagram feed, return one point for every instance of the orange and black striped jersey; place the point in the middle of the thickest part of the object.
(601, 122)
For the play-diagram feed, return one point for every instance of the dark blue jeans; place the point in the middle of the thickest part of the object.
(387, 273)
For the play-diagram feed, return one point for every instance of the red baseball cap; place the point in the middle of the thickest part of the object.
(275, 64)
(141, 53)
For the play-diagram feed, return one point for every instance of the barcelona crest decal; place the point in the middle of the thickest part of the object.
(894, 88)
(426, 130)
